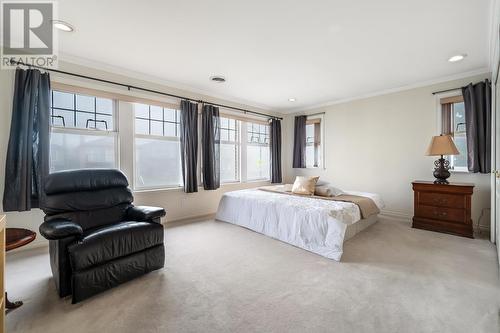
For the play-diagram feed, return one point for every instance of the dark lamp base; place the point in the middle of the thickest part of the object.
(441, 171)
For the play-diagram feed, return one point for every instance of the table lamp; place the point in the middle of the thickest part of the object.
(442, 145)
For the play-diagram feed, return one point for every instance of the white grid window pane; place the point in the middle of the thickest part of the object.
(156, 128)
(257, 162)
(461, 143)
(313, 146)
(156, 112)
(160, 121)
(158, 160)
(141, 126)
(224, 135)
(310, 156)
(458, 129)
(63, 100)
(169, 115)
(82, 111)
(228, 162)
(84, 120)
(158, 163)
(169, 129)
(141, 110)
(85, 103)
(310, 133)
(104, 105)
(79, 151)
(63, 118)
(104, 122)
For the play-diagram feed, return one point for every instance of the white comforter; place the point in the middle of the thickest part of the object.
(312, 224)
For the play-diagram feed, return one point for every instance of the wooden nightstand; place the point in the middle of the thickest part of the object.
(443, 208)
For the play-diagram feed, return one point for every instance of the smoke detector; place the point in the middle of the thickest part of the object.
(218, 79)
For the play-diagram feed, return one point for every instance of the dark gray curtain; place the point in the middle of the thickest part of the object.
(210, 138)
(477, 101)
(189, 145)
(275, 143)
(27, 162)
(299, 142)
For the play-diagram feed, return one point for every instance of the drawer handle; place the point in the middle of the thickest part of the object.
(440, 214)
(440, 201)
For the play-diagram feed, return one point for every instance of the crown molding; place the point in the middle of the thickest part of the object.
(480, 71)
(71, 59)
(80, 61)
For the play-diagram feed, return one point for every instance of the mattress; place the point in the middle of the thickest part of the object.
(319, 226)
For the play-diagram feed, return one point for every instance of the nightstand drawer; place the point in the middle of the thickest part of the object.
(441, 213)
(441, 200)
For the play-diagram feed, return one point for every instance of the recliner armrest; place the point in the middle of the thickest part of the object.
(145, 213)
(60, 228)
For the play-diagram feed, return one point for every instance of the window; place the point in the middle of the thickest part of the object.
(453, 123)
(157, 147)
(229, 149)
(313, 143)
(83, 132)
(258, 152)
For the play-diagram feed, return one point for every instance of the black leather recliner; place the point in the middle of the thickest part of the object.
(98, 239)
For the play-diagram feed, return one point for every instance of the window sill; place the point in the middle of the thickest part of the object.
(263, 180)
(230, 182)
(200, 187)
(159, 189)
(459, 171)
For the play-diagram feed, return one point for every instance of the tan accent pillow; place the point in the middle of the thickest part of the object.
(304, 185)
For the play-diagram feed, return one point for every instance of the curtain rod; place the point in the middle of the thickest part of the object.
(447, 90)
(460, 88)
(129, 87)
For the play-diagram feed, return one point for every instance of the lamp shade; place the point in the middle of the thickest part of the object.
(442, 145)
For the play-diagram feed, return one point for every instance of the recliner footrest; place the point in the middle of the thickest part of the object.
(99, 278)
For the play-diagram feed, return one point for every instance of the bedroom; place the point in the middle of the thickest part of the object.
(376, 84)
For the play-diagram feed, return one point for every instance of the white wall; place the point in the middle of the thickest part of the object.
(377, 144)
(495, 67)
(179, 205)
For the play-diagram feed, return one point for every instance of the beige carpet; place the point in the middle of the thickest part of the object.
(223, 278)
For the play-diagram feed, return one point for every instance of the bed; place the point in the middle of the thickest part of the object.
(316, 225)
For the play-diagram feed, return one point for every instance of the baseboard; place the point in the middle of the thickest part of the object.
(190, 219)
(396, 215)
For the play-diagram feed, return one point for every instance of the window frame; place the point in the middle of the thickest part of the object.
(124, 136)
(456, 94)
(135, 135)
(237, 144)
(256, 144)
(92, 131)
(321, 149)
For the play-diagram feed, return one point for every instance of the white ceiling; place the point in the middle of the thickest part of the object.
(315, 51)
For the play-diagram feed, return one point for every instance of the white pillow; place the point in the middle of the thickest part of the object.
(322, 182)
(327, 191)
